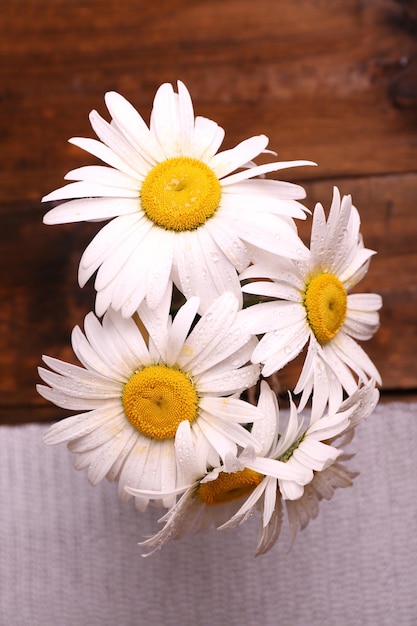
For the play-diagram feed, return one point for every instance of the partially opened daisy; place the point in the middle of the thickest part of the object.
(316, 451)
(286, 465)
(178, 212)
(310, 304)
(137, 399)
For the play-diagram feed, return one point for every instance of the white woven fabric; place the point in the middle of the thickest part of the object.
(68, 553)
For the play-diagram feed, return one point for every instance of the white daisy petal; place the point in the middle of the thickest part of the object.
(190, 268)
(80, 388)
(360, 325)
(270, 233)
(132, 470)
(207, 139)
(225, 162)
(356, 357)
(291, 490)
(186, 119)
(104, 153)
(203, 270)
(168, 473)
(132, 344)
(87, 209)
(102, 175)
(209, 332)
(115, 470)
(266, 429)
(270, 499)
(281, 271)
(89, 358)
(230, 409)
(228, 244)
(263, 169)
(109, 265)
(180, 329)
(76, 426)
(267, 188)
(248, 506)
(135, 272)
(369, 302)
(89, 189)
(68, 402)
(222, 383)
(151, 475)
(267, 204)
(119, 144)
(337, 366)
(109, 239)
(280, 470)
(165, 122)
(112, 428)
(218, 434)
(360, 259)
(186, 453)
(272, 290)
(281, 348)
(216, 438)
(316, 455)
(133, 126)
(290, 435)
(226, 352)
(159, 272)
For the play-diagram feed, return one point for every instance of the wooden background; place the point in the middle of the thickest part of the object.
(334, 81)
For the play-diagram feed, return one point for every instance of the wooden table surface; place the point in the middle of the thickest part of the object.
(330, 81)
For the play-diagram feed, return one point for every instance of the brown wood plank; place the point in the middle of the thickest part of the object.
(323, 80)
(331, 82)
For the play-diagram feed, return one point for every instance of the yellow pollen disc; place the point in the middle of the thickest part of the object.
(157, 399)
(228, 487)
(325, 300)
(180, 194)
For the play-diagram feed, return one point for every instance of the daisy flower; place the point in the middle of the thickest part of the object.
(286, 466)
(310, 304)
(179, 211)
(137, 399)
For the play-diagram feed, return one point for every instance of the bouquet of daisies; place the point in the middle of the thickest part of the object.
(204, 291)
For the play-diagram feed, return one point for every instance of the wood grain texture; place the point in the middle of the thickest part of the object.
(334, 82)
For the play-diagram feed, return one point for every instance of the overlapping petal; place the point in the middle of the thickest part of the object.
(300, 466)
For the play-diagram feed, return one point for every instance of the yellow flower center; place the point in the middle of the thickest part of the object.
(157, 399)
(228, 487)
(325, 300)
(180, 194)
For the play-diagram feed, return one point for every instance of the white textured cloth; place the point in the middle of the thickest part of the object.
(68, 553)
